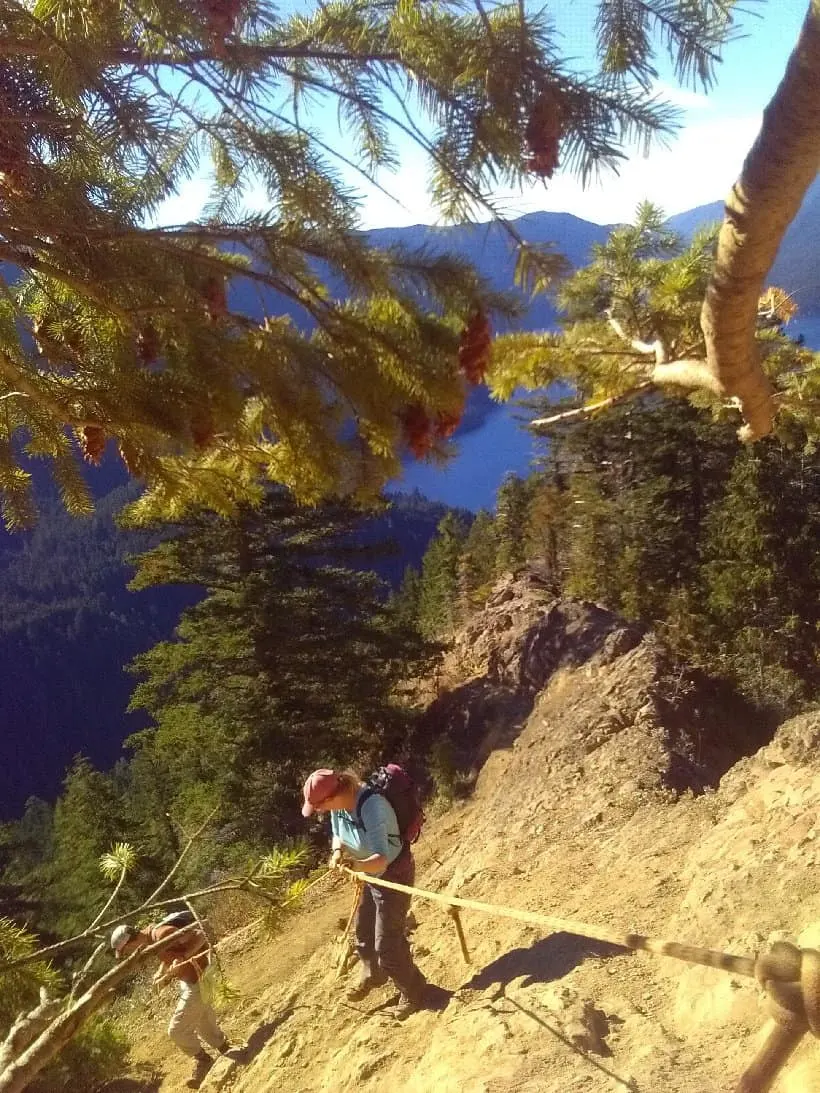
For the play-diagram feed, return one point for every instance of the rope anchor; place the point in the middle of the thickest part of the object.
(455, 915)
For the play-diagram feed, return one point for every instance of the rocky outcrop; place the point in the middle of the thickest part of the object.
(601, 692)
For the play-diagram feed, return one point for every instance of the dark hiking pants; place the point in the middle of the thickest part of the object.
(381, 940)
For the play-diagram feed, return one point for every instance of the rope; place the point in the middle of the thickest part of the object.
(692, 954)
(789, 976)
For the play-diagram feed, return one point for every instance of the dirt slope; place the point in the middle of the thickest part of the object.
(594, 805)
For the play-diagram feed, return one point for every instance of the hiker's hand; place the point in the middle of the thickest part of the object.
(335, 859)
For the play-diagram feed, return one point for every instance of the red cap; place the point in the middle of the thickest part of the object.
(321, 785)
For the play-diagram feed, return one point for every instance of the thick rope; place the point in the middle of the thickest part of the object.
(692, 954)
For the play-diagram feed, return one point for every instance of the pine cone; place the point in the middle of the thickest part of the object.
(216, 301)
(543, 133)
(474, 348)
(220, 16)
(92, 443)
(418, 430)
(202, 428)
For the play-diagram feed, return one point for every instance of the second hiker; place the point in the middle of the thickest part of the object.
(186, 961)
(366, 835)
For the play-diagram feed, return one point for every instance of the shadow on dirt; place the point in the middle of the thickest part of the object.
(260, 1037)
(148, 1081)
(550, 958)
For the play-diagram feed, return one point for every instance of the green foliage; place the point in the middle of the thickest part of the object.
(119, 328)
(438, 602)
(291, 661)
(478, 562)
(20, 985)
(637, 306)
(88, 820)
(512, 505)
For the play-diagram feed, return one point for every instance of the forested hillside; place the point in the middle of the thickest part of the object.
(69, 627)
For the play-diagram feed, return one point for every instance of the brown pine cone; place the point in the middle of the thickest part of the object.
(474, 348)
(92, 443)
(418, 430)
(543, 133)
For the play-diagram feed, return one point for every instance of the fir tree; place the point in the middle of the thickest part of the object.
(291, 661)
(477, 566)
(511, 510)
(439, 600)
(212, 354)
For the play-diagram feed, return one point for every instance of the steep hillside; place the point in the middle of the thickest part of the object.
(612, 794)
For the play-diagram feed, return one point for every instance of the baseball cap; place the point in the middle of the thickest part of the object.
(321, 785)
(121, 935)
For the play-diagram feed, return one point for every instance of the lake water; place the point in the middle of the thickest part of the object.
(501, 446)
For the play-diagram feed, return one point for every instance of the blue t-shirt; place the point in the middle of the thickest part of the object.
(378, 833)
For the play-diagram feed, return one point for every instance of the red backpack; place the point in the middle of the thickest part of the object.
(398, 788)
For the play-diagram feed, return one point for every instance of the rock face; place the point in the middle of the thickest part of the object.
(625, 792)
(603, 694)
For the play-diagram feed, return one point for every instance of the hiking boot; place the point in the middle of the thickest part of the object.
(405, 1007)
(202, 1064)
(365, 985)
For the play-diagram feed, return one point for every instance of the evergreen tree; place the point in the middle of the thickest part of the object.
(87, 822)
(547, 530)
(632, 326)
(406, 602)
(291, 661)
(511, 515)
(760, 577)
(477, 566)
(277, 344)
(439, 599)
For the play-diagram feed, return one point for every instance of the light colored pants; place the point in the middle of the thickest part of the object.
(194, 1020)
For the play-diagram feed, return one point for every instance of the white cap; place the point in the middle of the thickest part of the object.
(121, 936)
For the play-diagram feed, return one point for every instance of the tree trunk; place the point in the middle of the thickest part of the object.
(778, 170)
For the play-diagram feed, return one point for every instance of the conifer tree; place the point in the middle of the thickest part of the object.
(631, 326)
(406, 601)
(511, 514)
(291, 661)
(439, 600)
(477, 566)
(213, 354)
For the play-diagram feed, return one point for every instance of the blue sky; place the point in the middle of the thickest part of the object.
(698, 166)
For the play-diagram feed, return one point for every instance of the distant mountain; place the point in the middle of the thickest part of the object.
(797, 266)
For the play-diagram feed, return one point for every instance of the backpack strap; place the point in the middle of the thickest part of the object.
(364, 796)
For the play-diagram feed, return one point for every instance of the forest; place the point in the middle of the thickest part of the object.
(262, 371)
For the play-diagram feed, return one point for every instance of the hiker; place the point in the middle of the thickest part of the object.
(194, 1019)
(367, 838)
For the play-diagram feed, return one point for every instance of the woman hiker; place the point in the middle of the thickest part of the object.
(371, 846)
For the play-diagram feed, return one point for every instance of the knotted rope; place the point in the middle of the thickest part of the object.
(789, 976)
